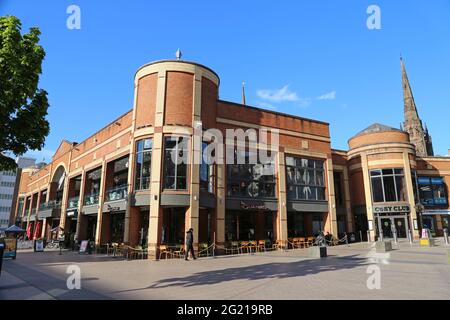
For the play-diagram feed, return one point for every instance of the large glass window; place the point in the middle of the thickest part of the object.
(175, 159)
(143, 164)
(432, 191)
(338, 189)
(388, 185)
(251, 180)
(305, 179)
(206, 171)
(92, 190)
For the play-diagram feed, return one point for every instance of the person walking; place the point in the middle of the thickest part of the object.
(190, 244)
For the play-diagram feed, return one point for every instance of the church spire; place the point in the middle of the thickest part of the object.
(413, 124)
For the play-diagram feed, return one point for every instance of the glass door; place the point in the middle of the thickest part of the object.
(400, 227)
(386, 226)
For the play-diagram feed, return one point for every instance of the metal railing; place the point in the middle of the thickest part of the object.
(91, 199)
(53, 204)
(117, 193)
(73, 202)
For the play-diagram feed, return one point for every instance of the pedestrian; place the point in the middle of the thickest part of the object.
(190, 244)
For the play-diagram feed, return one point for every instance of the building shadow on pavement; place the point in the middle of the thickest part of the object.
(258, 272)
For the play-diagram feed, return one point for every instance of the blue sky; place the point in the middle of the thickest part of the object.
(310, 58)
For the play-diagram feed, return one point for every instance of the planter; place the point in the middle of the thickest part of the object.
(317, 252)
(384, 246)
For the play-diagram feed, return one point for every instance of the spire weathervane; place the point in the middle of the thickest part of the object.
(178, 54)
(243, 93)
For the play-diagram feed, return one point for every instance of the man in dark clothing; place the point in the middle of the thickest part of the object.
(190, 243)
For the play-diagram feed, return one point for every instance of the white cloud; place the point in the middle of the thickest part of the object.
(278, 95)
(328, 96)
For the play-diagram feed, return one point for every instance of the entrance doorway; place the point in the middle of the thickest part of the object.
(387, 224)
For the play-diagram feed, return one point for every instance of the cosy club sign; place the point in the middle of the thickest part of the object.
(253, 206)
(392, 209)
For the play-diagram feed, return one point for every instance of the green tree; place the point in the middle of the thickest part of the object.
(23, 106)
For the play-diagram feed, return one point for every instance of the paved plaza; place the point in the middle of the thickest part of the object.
(407, 272)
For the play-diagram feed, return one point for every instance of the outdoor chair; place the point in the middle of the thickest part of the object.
(234, 246)
(163, 250)
(252, 245)
(203, 250)
(178, 251)
(310, 241)
(261, 245)
(302, 242)
(243, 245)
(280, 244)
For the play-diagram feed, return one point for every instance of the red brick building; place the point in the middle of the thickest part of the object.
(119, 184)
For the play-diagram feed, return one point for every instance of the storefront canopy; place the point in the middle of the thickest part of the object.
(14, 229)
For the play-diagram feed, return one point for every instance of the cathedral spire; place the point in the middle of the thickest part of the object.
(413, 125)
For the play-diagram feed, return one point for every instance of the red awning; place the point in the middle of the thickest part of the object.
(37, 231)
(29, 231)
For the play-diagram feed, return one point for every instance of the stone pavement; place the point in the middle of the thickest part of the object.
(408, 272)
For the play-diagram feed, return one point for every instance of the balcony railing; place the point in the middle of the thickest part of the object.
(33, 211)
(53, 204)
(73, 202)
(118, 193)
(91, 199)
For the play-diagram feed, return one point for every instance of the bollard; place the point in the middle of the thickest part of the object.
(368, 236)
(360, 236)
(446, 236)
(395, 236)
(346, 240)
(410, 237)
(381, 235)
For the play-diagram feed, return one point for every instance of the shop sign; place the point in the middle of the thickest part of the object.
(83, 246)
(71, 213)
(392, 209)
(39, 245)
(253, 206)
(10, 250)
(113, 209)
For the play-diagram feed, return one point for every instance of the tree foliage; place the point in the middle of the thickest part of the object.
(23, 106)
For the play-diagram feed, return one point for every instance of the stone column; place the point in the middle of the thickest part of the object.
(282, 223)
(155, 219)
(80, 205)
(332, 217)
(220, 206)
(368, 193)
(410, 191)
(131, 166)
(196, 158)
(348, 204)
(65, 198)
(101, 201)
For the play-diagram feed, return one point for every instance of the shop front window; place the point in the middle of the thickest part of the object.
(206, 171)
(432, 191)
(388, 185)
(92, 187)
(143, 164)
(251, 180)
(175, 163)
(305, 179)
